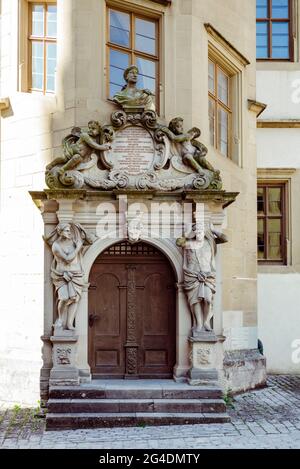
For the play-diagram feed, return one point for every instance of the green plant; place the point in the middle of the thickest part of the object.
(16, 409)
(228, 398)
(141, 424)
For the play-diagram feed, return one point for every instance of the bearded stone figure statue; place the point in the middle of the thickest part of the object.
(200, 249)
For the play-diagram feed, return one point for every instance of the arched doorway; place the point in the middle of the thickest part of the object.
(132, 313)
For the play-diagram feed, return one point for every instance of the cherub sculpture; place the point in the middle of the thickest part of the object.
(192, 152)
(77, 147)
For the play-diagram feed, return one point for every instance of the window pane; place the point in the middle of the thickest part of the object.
(274, 239)
(222, 87)
(38, 20)
(119, 28)
(262, 40)
(260, 201)
(51, 66)
(118, 63)
(280, 8)
(260, 239)
(147, 75)
(145, 36)
(274, 200)
(52, 21)
(261, 8)
(119, 59)
(113, 89)
(37, 65)
(211, 77)
(212, 119)
(223, 131)
(280, 40)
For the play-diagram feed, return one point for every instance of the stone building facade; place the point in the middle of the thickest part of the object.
(278, 144)
(202, 68)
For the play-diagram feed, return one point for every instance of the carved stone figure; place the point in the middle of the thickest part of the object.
(77, 147)
(132, 97)
(134, 229)
(200, 248)
(66, 271)
(135, 151)
(63, 356)
(193, 153)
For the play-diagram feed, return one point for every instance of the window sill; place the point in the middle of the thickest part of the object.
(38, 95)
(275, 269)
(276, 65)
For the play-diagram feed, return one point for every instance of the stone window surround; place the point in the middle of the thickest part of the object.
(157, 13)
(24, 54)
(233, 63)
(280, 176)
(218, 105)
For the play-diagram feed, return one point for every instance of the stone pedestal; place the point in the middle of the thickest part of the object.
(206, 358)
(64, 371)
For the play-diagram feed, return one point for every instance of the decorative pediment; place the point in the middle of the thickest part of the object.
(133, 151)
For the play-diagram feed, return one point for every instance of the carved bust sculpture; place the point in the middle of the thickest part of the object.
(132, 97)
(200, 275)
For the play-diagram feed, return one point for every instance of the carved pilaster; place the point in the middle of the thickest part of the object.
(131, 343)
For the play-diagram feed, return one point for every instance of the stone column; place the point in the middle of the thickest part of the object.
(50, 221)
(82, 331)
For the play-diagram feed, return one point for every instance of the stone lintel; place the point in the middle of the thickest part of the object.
(162, 2)
(219, 197)
(226, 44)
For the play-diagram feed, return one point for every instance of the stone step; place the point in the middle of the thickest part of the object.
(136, 405)
(135, 392)
(67, 421)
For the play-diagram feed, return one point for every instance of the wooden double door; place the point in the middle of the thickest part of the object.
(132, 313)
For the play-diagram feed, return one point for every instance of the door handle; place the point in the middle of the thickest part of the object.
(92, 318)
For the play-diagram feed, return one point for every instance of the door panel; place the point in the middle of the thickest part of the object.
(107, 305)
(158, 324)
(132, 329)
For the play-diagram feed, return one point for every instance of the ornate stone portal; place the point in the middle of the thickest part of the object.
(140, 157)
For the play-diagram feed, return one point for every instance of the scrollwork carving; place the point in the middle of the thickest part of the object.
(118, 118)
(149, 120)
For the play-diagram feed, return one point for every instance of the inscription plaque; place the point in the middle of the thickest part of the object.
(133, 151)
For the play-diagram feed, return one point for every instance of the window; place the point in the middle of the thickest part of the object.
(132, 40)
(219, 108)
(42, 46)
(273, 29)
(271, 223)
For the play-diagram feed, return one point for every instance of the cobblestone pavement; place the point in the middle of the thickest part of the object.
(266, 418)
